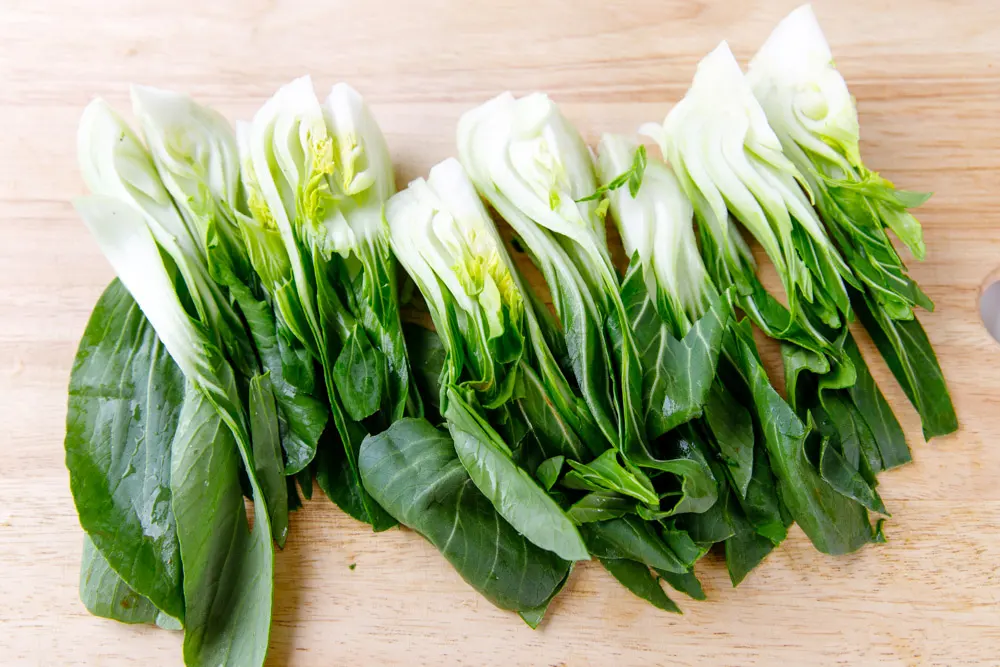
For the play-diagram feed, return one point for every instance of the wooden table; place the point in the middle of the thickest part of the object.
(927, 79)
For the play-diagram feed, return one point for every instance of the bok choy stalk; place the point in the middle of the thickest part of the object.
(316, 177)
(730, 165)
(682, 326)
(532, 166)
(194, 150)
(160, 262)
(814, 116)
(446, 241)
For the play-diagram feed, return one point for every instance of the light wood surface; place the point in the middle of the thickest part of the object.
(926, 74)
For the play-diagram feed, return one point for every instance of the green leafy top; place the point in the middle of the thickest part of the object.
(631, 175)
(446, 241)
(729, 160)
(656, 223)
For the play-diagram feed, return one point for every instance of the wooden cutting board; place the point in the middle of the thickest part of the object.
(927, 80)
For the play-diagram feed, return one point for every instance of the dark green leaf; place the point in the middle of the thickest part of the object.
(677, 374)
(553, 407)
(372, 297)
(797, 360)
(358, 375)
(427, 356)
(683, 546)
(549, 470)
(637, 578)
(879, 534)
(600, 506)
(631, 538)
(104, 593)
(833, 399)
(910, 357)
(746, 548)
(336, 467)
(869, 401)
(834, 523)
(829, 302)
(297, 364)
(553, 433)
(845, 477)
(847, 450)
(686, 583)
(228, 568)
(292, 491)
(267, 455)
(533, 617)
(707, 527)
(732, 427)
(605, 473)
(301, 416)
(762, 504)
(586, 348)
(335, 475)
(511, 490)
(412, 470)
(684, 453)
(305, 480)
(125, 395)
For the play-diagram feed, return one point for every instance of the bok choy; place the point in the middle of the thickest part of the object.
(447, 243)
(316, 177)
(532, 166)
(251, 345)
(194, 149)
(214, 442)
(683, 326)
(813, 114)
(494, 342)
(731, 166)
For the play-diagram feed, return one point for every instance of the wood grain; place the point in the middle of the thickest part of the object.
(926, 78)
